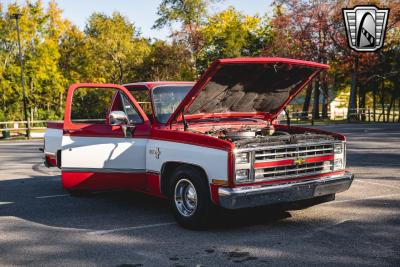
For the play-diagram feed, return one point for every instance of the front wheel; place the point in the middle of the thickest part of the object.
(190, 198)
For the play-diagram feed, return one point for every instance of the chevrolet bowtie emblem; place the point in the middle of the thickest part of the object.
(299, 161)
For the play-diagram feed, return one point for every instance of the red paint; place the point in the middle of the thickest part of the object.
(148, 183)
(231, 167)
(100, 181)
(272, 59)
(55, 125)
(193, 119)
(214, 193)
(319, 159)
(72, 180)
(100, 130)
(153, 184)
(51, 160)
(152, 85)
(191, 139)
(276, 163)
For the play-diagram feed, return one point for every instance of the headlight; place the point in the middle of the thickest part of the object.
(339, 162)
(338, 149)
(242, 158)
(242, 175)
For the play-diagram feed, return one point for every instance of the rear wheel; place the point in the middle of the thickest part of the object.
(190, 197)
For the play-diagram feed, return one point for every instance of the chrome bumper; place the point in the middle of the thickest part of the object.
(252, 196)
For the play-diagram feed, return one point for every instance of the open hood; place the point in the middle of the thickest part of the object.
(262, 85)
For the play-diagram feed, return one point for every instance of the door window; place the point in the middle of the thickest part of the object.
(91, 105)
(130, 110)
(142, 96)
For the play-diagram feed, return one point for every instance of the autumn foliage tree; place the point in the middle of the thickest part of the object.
(111, 49)
(314, 30)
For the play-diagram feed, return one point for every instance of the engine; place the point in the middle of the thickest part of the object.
(256, 136)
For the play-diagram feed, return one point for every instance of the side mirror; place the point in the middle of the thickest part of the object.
(117, 118)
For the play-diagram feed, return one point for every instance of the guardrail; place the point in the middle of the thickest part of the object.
(16, 125)
(362, 115)
(18, 128)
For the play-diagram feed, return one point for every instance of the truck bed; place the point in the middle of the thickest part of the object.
(52, 141)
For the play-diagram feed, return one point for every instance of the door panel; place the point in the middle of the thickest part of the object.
(97, 151)
(104, 153)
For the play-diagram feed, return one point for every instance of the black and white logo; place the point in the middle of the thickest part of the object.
(365, 27)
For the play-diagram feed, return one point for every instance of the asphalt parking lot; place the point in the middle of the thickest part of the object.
(40, 224)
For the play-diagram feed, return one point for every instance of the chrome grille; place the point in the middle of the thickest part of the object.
(294, 152)
(293, 171)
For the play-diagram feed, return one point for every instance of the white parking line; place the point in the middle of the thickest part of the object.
(103, 232)
(51, 196)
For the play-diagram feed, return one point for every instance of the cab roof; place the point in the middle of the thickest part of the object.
(152, 85)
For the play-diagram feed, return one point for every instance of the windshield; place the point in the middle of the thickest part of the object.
(142, 96)
(167, 98)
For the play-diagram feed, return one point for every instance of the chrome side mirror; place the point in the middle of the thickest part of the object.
(119, 118)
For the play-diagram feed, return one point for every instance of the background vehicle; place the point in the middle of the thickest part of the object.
(213, 142)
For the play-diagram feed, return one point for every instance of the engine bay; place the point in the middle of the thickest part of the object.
(254, 136)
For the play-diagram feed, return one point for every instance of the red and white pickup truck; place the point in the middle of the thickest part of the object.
(212, 143)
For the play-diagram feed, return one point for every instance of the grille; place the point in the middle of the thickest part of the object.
(292, 171)
(295, 152)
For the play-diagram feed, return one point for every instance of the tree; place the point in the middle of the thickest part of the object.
(167, 62)
(75, 55)
(114, 48)
(110, 49)
(367, 70)
(190, 14)
(40, 33)
(231, 34)
(301, 29)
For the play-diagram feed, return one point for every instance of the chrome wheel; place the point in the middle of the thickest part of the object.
(185, 196)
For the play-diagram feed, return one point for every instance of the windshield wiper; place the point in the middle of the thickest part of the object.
(185, 124)
(230, 119)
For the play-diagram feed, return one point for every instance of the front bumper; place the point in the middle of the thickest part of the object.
(252, 196)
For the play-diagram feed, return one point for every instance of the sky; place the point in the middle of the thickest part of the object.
(141, 12)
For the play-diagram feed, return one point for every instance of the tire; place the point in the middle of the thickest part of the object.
(190, 197)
